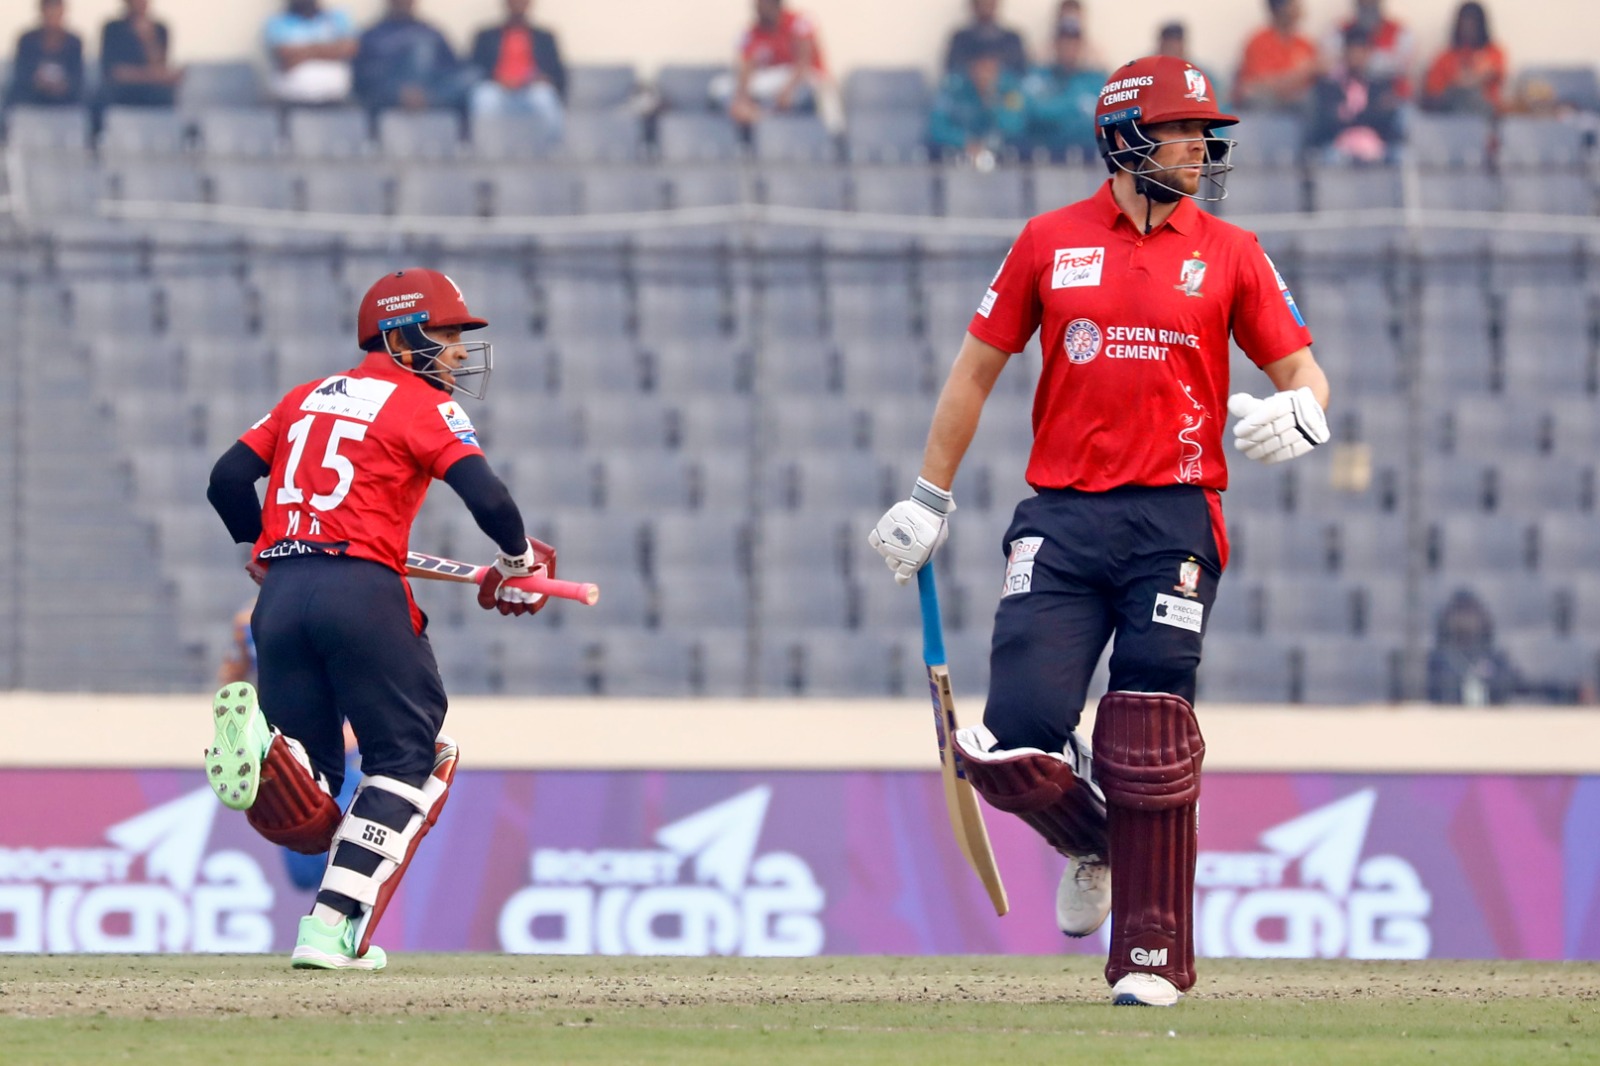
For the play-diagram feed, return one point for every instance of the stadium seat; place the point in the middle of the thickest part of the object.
(153, 182)
(1337, 188)
(603, 136)
(510, 138)
(691, 368)
(438, 191)
(56, 130)
(688, 137)
(1554, 669)
(1549, 193)
(1265, 192)
(1514, 601)
(247, 133)
(970, 193)
(652, 664)
(886, 369)
(792, 139)
(894, 190)
(600, 372)
(141, 132)
(1551, 485)
(792, 597)
(797, 371)
(878, 89)
(705, 540)
(819, 479)
(715, 424)
(1577, 85)
(1537, 143)
(887, 137)
(599, 87)
(121, 306)
(622, 190)
(211, 85)
(703, 599)
(345, 189)
(408, 137)
(552, 663)
(687, 87)
(1449, 141)
(1062, 184)
(827, 663)
(1265, 138)
(230, 365)
(520, 191)
(1467, 543)
(578, 307)
(328, 133)
(705, 186)
(1337, 671)
(818, 187)
(210, 307)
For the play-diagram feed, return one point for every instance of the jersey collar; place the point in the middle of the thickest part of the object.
(1184, 217)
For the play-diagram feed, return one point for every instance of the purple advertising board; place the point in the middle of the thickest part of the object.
(806, 863)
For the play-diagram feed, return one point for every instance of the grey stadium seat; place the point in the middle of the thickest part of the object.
(969, 193)
(715, 424)
(251, 133)
(1266, 138)
(598, 372)
(703, 599)
(886, 369)
(823, 479)
(599, 87)
(1349, 670)
(1264, 192)
(330, 133)
(526, 191)
(697, 138)
(614, 190)
(48, 129)
(1062, 184)
(792, 139)
(1466, 543)
(603, 137)
(141, 132)
(210, 306)
(791, 597)
(503, 138)
(1549, 484)
(825, 662)
(799, 370)
(1515, 602)
(439, 191)
(685, 87)
(879, 89)
(887, 137)
(894, 190)
(822, 188)
(154, 181)
(552, 663)
(1537, 143)
(814, 423)
(1353, 188)
(409, 136)
(582, 308)
(698, 368)
(705, 186)
(210, 85)
(1449, 140)
(706, 540)
(1549, 193)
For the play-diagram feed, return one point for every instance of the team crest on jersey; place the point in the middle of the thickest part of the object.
(1082, 340)
(1192, 276)
(459, 423)
(1188, 579)
(358, 398)
(1196, 83)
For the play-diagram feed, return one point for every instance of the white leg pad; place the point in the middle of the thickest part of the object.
(393, 846)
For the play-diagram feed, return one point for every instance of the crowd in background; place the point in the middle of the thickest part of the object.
(1352, 86)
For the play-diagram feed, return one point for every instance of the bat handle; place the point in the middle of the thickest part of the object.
(932, 627)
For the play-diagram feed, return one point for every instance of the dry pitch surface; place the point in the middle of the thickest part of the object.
(476, 1009)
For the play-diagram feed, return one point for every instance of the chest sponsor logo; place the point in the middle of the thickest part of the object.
(1082, 340)
(347, 397)
(1310, 892)
(703, 890)
(1077, 267)
(1019, 565)
(1178, 612)
(459, 423)
(1192, 276)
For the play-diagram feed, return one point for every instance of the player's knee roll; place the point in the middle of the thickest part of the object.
(292, 809)
(1042, 789)
(1147, 750)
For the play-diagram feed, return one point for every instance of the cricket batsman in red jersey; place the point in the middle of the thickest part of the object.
(348, 459)
(1136, 292)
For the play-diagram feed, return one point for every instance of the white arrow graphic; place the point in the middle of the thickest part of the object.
(172, 837)
(1327, 841)
(722, 839)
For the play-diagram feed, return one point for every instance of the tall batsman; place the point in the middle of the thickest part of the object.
(348, 458)
(1136, 291)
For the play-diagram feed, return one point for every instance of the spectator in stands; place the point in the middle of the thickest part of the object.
(1279, 64)
(1389, 41)
(979, 112)
(1071, 16)
(1464, 665)
(134, 66)
(985, 34)
(311, 49)
(779, 68)
(404, 62)
(1471, 74)
(1173, 40)
(49, 65)
(1355, 112)
(1061, 98)
(521, 70)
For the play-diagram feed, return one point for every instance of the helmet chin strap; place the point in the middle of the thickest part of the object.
(1154, 193)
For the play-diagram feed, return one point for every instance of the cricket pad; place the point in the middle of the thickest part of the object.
(1042, 790)
(291, 809)
(1147, 755)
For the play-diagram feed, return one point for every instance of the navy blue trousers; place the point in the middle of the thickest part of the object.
(334, 641)
(1135, 565)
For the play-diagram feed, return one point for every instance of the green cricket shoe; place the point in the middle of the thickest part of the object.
(240, 742)
(333, 947)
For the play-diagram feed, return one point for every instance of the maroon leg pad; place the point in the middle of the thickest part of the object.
(1043, 791)
(290, 808)
(1147, 754)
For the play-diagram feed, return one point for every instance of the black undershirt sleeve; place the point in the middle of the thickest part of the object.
(490, 502)
(233, 491)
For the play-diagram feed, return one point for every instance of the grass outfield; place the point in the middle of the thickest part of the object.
(469, 1009)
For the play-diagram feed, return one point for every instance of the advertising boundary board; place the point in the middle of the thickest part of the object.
(805, 862)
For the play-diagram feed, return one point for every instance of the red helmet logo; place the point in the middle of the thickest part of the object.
(412, 291)
(1159, 89)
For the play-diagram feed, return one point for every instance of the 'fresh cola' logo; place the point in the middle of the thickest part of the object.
(1311, 895)
(703, 891)
(154, 889)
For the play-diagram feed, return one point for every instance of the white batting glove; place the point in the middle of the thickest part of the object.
(1280, 427)
(910, 531)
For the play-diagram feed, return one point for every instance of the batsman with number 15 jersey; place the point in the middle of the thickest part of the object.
(348, 459)
(1135, 292)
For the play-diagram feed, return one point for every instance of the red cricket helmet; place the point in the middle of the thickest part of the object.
(414, 301)
(410, 292)
(1147, 92)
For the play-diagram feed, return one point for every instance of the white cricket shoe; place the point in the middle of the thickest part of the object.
(1144, 990)
(1083, 898)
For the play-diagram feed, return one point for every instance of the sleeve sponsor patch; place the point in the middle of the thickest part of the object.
(988, 303)
(458, 422)
(1288, 297)
(1178, 612)
(1019, 565)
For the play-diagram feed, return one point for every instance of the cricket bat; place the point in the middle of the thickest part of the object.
(435, 568)
(960, 802)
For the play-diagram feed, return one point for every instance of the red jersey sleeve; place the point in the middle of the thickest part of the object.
(262, 438)
(1011, 310)
(441, 435)
(1266, 321)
